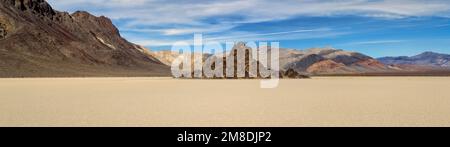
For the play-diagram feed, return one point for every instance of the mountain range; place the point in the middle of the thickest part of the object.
(323, 61)
(429, 59)
(330, 61)
(38, 41)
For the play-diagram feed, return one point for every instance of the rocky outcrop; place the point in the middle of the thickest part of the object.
(38, 7)
(3, 31)
(40, 41)
(292, 74)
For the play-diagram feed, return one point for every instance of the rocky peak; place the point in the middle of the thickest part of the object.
(83, 15)
(89, 20)
(40, 7)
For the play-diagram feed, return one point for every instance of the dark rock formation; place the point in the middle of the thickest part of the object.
(3, 31)
(292, 74)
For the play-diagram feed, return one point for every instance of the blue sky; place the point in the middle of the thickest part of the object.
(374, 27)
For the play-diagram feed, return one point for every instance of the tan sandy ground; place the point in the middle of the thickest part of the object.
(325, 101)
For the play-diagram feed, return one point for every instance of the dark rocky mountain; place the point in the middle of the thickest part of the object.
(429, 59)
(38, 41)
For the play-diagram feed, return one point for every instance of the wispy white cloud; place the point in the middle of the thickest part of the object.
(157, 11)
(241, 36)
(375, 42)
(149, 42)
(184, 17)
(247, 36)
(184, 30)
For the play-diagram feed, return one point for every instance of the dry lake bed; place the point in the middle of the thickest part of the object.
(321, 101)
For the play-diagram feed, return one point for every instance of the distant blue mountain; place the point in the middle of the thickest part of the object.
(424, 59)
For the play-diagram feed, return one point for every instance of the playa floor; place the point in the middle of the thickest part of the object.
(321, 101)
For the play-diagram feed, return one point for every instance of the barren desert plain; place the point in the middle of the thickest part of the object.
(320, 101)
